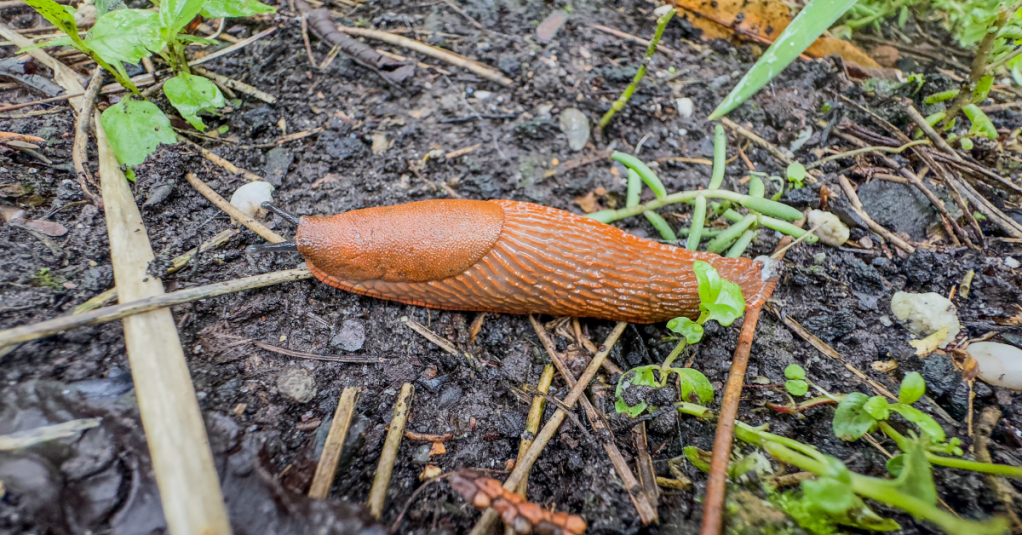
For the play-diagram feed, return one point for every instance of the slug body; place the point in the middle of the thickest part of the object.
(510, 257)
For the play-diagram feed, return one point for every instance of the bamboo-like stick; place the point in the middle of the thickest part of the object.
(327, 467)
(378, 492)
(534, 419)
(175, 433)
(147, 304)
(240, 216)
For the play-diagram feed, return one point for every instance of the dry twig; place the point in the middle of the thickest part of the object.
(78, 152)
(327, 467)
(236, 85)
(378, 492)
(856, 206)
(227, 207)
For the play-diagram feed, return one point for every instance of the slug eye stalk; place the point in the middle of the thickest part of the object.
(283, 215)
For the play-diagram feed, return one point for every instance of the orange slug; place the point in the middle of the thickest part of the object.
(509, 257)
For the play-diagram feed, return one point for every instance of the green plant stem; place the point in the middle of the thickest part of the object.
(719, 157)
(706, 232)
(731, 234)
(693, 409)
(979, 65)
(698, 222)
(666, 366)
(634, 188)
(661, 225)
(774, 224)
(742, 244)
(608, 216)
(1001, 62)
(650, 51)
(952, 462)
(865, 21)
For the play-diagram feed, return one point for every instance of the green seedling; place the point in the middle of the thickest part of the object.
(796, 174)
(619, 104)
(796, 384)
(135, 126)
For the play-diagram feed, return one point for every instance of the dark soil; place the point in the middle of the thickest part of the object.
(842, 296)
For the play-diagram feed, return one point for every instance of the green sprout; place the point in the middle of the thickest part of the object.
(619, 104)
(796, 384)
(796, 174)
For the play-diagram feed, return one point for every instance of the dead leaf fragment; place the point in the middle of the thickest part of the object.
(588, 202)
(437, 448)
(49, 228)
(380, 143)
(430, 472)
(929, 344)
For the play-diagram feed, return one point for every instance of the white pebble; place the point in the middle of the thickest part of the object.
(685, 107)
(999, 364)
(926, 314)
(250, 198)
(1011, 262)
(829, 228)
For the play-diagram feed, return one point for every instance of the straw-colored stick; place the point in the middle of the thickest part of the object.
(378, 492)
(238, 215)
(534, 419)
(181, 458)
(327, 467)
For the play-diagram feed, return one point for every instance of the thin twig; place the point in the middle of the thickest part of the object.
(461, 12)
(305, 39)
(865, 150)
(856, 206)
(378, 492)
(12, 107)
(636, 39)
(313, 356)
(228, 166)
(812, 174)
(984, 428)
(331, 456)
(103, 315)
(227, 207)
(236, 85)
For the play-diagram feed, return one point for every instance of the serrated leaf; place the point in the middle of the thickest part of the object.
(851, 420)
(126, 35)
(234, 8)
(693, 382)
(176, 14)
(191, 94)
(924, 421)
(692, 331)
(135, 128)
(58, 16)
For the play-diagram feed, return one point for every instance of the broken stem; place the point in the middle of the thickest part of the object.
(618, 104)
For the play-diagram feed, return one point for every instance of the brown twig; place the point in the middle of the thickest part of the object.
(12, 107)
(227, 207)
(226, 165)
(812, 175)
(378, 492)
(78, 152)
(313, 356)
(644, 462)
(534, 419)
(331, 456)
(984, 427)
(636, 39)
(236, 85)
(461, 12)
(856, 206)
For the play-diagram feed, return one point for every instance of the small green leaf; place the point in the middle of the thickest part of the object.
(913, 386)
(851, 420)
(632, 198)
(924, 421)
(982, 89)
(693, 382)
(877, 407)
(720, 300)
(981, 124)
(215, 9)
(796, 174)
(966, 143)
(796, 387)
(699, 458)
(829, 494)
(794, 371)
(191, 94)
(942, 96)
(692, 331)
(175, 15)
(135, 128)
(915, 477)
(896, 464)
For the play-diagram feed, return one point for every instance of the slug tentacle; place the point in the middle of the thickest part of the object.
(511, 257)
(283, 215)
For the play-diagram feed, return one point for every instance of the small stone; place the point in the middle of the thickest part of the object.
(547, 29)
(298, 384)
(685, 107)
(999, 364)
(819, 258)
(886, 55)
(352, 336)
(575, 126)
(278, 160)
(1011, 262)
(482, 95)
(829, 227)
(380, 143)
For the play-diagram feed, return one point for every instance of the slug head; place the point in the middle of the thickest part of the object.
(415, 242)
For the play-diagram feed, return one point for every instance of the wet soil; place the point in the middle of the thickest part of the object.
(842, 296)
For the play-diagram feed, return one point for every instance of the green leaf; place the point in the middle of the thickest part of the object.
(175, 15)
(59, 17)
(794, 371)
(829, 494)
(640, 376)
(796, 387)
(661, 225)
(896, 464)
(191, 94)
(126, 35)
(796, 174)
(924, 421)
(810, 23)
(693, 382)
(771, 208)
(720, 300)
(135, 128)
(692, 331)
(699, 458)
(941, 97)
(645, 173)
(982, 89)
(913, 386)
(188, 38)
(981, 124)
(851, 420)
(877, 407)
(915, 477)
(215, 9)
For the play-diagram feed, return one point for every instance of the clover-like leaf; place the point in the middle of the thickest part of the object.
(877, 407)
(851, 420)
(924, 421)
(135, 128)
(694, 385)
(692, 331)
(191, 94)
(913, 386)
(796, 387)
(796, 174)
(215, 9)
(794, 372)
(719, 299)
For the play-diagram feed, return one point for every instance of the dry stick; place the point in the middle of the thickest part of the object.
(461, 12)
(866, 150)
(856, 205)
(812, 174)
(984, 428)
(713, 510)
(331, 456)
(534, 419)
(305, 39)
(13, 107)
(175, 433)
(543, 438)
(148, 304)
(62, 74)
(78, 152)
(236, 85)
(228, 166)
(644, 462)
(981, 172)
(450, 57)
(238, 215)
(629, 37)
(378, 492)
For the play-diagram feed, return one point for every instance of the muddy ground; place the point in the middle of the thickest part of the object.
(842, 296)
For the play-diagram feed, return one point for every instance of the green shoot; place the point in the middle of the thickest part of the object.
(619, 104)
(645, 173)
(809, 24)
(796, 384)
(796, 174)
